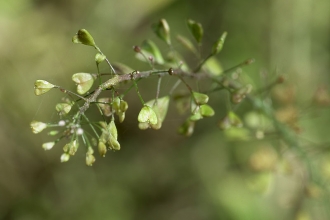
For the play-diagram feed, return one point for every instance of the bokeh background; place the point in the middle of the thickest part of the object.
(159, 174)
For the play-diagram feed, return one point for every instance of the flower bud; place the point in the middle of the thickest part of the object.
(37, 126)
(83, 37)
(48, 145)
(42, 86)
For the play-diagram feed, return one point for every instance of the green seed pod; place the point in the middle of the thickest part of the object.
(83, 37)
(162, 30)
(187, 128)
(84, 82)
(42, 86)
(48, 145)
(123, 106)
(102, 149)
(195, 117)
(37, 126)
(217, 46)
(105, 107)
(73, 147)
(196, 30)
(200, 98)
(90, 159)
(187, 44)
(53, 133)
(121, 116)
(116, 104)
(63, 108)
(206, 110)
(144, 125)
(147, 114)
(99, 58)
(65, 157)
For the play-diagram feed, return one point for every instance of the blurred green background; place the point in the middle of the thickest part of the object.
(157, 174)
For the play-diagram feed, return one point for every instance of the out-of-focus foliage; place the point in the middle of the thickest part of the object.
(158, 174)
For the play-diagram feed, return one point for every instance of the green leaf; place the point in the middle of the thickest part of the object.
(196, 30)
(218, 45)
(42, 86)
(84, 82)
(162, 30)
(83, 37)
